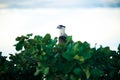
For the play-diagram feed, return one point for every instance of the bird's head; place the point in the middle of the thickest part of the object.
(60, 27)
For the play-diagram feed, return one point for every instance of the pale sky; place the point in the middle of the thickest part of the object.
(96, 25)
(58, 3)
(94, 21)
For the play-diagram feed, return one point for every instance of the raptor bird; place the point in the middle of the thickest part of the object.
(63, 35)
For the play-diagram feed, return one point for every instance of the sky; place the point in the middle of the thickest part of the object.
(94, 21)
(58, 3)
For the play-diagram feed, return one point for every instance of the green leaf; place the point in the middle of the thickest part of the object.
(87, 55)
(69, 39)
(19, 46)
(18, 38)
(29, 35)
(0, 53)
(22, 38)
(47, 39)
(77, 71)
(68, 55)
(37, 72)
(86, 70)
(68, 67)
(46, 70)
(79, 58)
(96, 73)
(76, 47)
(86, 45)
(38, 38)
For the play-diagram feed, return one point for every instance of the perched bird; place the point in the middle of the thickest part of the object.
(63, 35)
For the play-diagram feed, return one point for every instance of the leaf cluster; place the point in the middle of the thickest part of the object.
(40, 58)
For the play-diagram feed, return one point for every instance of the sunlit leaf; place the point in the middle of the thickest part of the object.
(46, 71)
(37, 72)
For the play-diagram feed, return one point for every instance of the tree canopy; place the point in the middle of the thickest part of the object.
(41, 57)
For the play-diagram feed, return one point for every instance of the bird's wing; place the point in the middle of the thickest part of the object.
(62, 39)
(65, 35)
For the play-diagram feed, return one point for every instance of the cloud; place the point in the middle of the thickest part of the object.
(59, 3)
(73, 3)
(3, 5)
(112, 3)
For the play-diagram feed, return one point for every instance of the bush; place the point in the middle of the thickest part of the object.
(40, 58)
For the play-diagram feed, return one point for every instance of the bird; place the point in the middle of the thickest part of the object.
(62, 34)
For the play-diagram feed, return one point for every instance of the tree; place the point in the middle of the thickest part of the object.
(41, 58)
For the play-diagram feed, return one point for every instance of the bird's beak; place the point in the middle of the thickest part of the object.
(58, 27)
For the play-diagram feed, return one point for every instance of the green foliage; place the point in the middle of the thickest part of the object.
(40, 58)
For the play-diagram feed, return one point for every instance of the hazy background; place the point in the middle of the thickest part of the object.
(94, 21)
